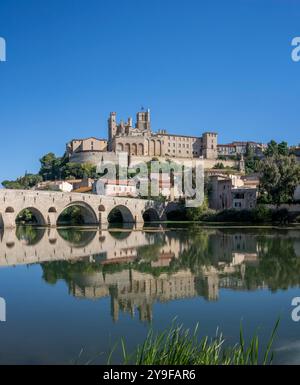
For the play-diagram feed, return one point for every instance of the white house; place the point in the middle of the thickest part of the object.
(115, 188)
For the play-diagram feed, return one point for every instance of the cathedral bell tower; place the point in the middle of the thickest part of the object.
(143, 121)
(112, 129)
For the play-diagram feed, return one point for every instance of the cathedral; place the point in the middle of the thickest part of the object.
(140, 141)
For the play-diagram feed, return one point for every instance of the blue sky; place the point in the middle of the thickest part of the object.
(199, 65)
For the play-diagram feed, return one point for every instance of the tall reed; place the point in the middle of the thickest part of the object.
(179, 346)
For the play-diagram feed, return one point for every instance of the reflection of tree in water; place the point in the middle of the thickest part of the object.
(30, 234)
(77, 237)
(58, 270)
(72, 216)
(151, 251)
(279, 266)
(199, 253)
(276, 265)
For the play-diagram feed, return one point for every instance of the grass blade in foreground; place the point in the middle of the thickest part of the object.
(179, 346)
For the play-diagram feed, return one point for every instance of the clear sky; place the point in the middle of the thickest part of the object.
(198, 65)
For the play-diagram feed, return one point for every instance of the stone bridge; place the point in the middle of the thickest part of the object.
(95, 209)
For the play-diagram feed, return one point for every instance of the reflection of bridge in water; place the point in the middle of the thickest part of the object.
(52, 246)
(136, 268)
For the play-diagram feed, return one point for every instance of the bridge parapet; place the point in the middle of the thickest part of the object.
(48, 206)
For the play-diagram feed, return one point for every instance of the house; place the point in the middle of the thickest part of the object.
(115, 188)
(59, 185)
(220, 197)
(243, 198)
(240, 148)
(232, 191)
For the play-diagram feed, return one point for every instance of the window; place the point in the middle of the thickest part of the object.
(239, 196)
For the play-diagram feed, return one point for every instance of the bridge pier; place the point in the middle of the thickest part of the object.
(138, 218)
(52, 219)
(8, 220)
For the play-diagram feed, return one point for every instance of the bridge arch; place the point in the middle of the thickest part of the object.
(120, 213)
(85, 213)
(151, 215)
(37, 216)
(76, 238)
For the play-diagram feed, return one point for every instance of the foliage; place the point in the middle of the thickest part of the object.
(275, 149)
(72, 216)
(23, 183)
(280, 176)
(26, 216)
(179, 346)
(262, 214)
(279, 265)
(251, 164)
(197, 213)
(219, 166)
(51, 166)
(54, 168)
(79, 171)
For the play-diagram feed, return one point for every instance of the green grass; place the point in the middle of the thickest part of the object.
(179, 346)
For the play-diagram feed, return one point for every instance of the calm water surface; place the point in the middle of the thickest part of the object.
(80, 290)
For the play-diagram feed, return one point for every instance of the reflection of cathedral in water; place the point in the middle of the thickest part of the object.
(130, 289)
(137, 269)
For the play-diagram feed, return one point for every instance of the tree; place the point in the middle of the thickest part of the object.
(79, 171)
(219, 166)
(249, 151)
(275, 149)
(283, 149)
(50, 167)
(272, 149)
(196, 213)
(280, 175)
(23, 183)
(12, 185)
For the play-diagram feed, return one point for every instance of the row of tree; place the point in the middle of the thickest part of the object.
(53, 168)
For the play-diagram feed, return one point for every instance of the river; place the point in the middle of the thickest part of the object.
(72, 293)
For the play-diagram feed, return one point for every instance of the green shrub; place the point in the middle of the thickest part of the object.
(262, 214)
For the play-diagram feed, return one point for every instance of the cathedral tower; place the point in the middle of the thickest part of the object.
(143, 121)
(112, 129)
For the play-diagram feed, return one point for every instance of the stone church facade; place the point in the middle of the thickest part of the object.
(140, 140)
